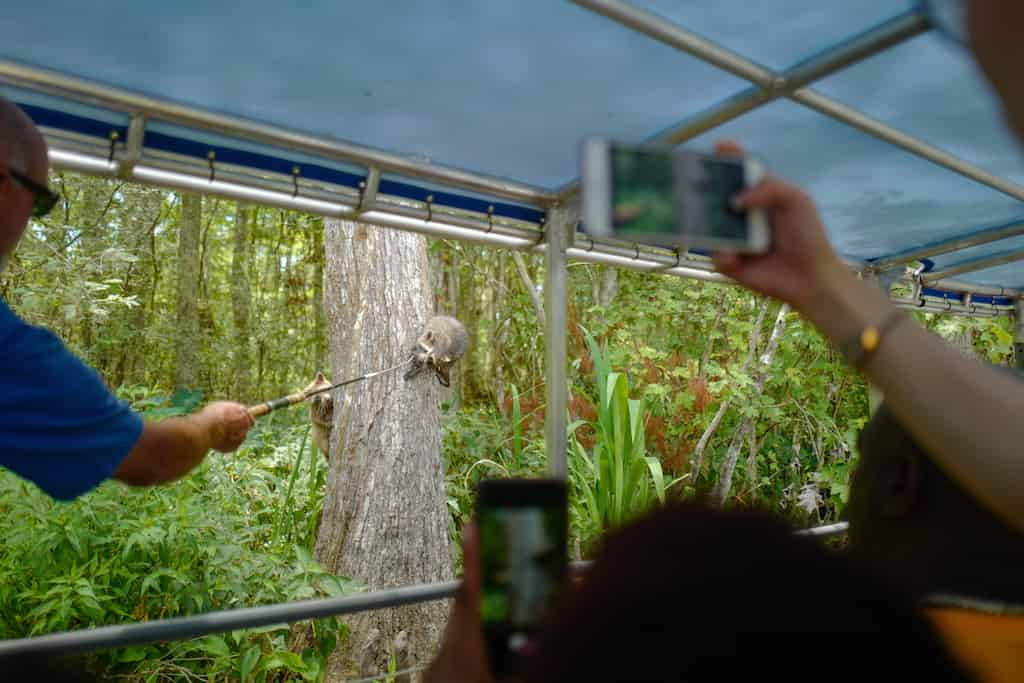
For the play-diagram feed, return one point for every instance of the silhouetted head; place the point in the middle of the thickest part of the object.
(911, 521)
(22, 155)
(691, 593)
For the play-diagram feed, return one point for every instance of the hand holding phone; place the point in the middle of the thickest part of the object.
(523, 530)
(668, 197)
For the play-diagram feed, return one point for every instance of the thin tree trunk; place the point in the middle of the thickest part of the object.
(609, 286)
(318, 295)
(186, 357)
(385, 518)
(524, 275)
(755, 447)
(241, 298)
(709, 345)
(697, 457)
(721, 490)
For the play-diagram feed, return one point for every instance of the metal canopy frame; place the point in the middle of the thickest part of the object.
(483, 210)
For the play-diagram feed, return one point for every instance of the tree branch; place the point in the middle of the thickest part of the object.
(538, 305)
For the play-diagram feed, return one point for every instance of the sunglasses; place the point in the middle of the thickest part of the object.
(949, 17)
(45, 198)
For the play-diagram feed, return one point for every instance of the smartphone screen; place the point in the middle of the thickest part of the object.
(523, 554)
(676, 194)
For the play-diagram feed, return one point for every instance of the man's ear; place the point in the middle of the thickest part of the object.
(901, 484)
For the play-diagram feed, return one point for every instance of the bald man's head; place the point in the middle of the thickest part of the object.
(22, 150)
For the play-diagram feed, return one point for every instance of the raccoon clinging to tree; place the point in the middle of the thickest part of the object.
(321, 413)
(444, 341)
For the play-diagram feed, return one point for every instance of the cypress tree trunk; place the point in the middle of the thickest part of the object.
(385, 519)
(186, 357)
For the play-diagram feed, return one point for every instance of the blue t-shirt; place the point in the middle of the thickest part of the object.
(60, 427)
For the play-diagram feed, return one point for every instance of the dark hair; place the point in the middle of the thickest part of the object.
(695, 593)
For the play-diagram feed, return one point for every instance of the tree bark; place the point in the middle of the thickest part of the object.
(721, 490)
(186, 357)
(241, 300)
(385, 519)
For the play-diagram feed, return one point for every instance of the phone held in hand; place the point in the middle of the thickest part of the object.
(669, 197)
(523, 527)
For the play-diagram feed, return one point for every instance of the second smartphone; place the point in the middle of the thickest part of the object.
(669, 197)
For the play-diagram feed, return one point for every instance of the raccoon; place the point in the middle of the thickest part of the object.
(321, 413)
(444, 341)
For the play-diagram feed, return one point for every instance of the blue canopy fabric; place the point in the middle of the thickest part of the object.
(509, 90)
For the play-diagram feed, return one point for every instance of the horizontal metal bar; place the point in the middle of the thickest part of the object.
(993, 234)
(858, 48)
(893, 136)
(112, 98)
(949, 308)
(827, 530)
(409, 218)
(219, 188)
(181, 628)
(668, 33)
(973, 266)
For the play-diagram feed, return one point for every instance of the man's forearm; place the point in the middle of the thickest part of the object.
(166, 451)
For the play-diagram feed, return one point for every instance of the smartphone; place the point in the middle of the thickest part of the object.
(669, 197)
(524, 526)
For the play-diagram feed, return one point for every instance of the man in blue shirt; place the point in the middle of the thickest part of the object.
(60, 427)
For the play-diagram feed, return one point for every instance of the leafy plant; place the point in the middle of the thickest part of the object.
(231, 534)
(617, 479)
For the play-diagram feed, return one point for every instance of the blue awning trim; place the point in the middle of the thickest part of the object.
(958, 297)
(255, 160)
(51, 118)
(455, 201)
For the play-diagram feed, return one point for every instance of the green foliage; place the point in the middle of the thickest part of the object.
(231, 534)
(617, 480)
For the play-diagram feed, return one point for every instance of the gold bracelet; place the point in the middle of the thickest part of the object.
(859, 348)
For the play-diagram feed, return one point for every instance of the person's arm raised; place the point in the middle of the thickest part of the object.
(967, 416)
(170, 449)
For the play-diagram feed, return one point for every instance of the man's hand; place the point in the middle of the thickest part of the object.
(463, 654)
(801, 262)
(227, 424)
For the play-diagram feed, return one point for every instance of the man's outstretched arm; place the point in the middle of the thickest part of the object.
(170, 449)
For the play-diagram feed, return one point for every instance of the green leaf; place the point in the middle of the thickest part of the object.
(247, 662)
(213, 645)
(135, 653)
(281, 660)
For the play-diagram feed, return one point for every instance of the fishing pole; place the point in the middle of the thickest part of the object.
(262, 409)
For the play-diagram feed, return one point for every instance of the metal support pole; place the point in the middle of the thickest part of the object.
(986, 236)
(560, 224)
(974, 265)
(1018, 334)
